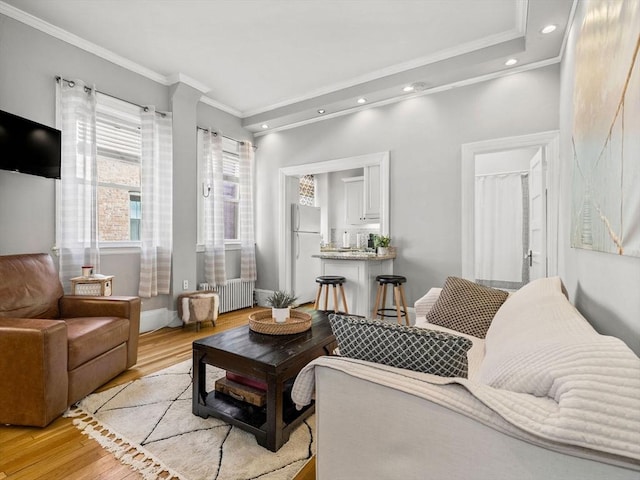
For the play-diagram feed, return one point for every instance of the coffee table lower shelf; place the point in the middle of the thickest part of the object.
(274, 360)
(250, 418)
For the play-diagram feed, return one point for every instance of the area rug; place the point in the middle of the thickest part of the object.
(148, 425)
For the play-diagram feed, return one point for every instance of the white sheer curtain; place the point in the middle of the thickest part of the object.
(211, 164)
(156, 200)
(499, 229)
(248, 270)
(77, 218)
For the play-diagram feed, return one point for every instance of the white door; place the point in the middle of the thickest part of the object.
(537, 255)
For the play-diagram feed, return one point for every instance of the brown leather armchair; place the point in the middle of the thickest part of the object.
(56, 349)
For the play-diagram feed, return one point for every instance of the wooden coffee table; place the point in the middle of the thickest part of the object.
(274, 359)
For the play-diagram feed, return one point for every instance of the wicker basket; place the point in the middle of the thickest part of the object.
(262, 322)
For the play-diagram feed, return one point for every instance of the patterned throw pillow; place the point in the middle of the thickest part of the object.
(399, 346)
(466, 307)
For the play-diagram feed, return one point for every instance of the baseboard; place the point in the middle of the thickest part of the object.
(158, 318)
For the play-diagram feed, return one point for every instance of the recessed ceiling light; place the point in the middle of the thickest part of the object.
(265, 126)
(362, 100)
(408, 88)
(321, 111)
(549, 29)
(511, 61)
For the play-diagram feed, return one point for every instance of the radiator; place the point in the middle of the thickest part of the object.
(235, 295)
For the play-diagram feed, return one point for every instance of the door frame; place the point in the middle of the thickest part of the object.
(549, 142)
(284, 199)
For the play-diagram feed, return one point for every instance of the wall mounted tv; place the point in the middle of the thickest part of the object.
(29, 147)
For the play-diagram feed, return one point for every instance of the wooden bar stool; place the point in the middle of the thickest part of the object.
(331, 280)
(380, 310)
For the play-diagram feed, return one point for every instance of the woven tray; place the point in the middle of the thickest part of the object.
(262, 322)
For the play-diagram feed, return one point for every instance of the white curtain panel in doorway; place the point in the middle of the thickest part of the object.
(156, 191)
(77, 216)
(499, 229)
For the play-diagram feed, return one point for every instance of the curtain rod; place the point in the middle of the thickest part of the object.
(87, 89)
(241, 142)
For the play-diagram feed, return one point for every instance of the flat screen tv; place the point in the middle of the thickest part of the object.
(29, 147)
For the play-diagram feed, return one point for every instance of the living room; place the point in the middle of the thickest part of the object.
(424, 134)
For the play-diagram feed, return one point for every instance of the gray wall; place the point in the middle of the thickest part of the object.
(604, 287)
(29, 61)
(424, 136)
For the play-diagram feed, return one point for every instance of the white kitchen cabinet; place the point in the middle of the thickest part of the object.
(360, 287)
(371, 193)
(362, 197)
(354, 200)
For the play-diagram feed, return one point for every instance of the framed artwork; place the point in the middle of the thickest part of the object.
(606, 129)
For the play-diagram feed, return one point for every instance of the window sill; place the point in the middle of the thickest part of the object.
(227, 246)
(119, 248)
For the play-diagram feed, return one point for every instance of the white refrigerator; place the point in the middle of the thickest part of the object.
(305, 241)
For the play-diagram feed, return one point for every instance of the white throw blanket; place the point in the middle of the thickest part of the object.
(545, 376)
(578, 421)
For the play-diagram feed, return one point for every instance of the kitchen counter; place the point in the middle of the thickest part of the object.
(360, 270)
(366, 256)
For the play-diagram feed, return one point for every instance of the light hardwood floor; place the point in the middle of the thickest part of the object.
(60, 451)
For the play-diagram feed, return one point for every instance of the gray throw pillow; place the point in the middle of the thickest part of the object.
(399, 346)
(466, 307)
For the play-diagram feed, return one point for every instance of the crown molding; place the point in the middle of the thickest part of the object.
(65, 36)
(182, 78)
(221, 106)
(68, 37)
(400, 98)
(392, 70)
(518, 31)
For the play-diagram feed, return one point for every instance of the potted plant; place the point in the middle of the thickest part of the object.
(281, 303)
(382, 243)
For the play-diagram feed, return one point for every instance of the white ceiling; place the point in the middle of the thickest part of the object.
(279, 61)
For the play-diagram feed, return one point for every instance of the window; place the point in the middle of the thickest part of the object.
(135, 215)
(118, 143)
(307, 190)
(231, 187)
(230, 190)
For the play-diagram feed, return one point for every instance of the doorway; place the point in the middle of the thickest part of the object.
(510, 209)
(508, 218)
(288, 192)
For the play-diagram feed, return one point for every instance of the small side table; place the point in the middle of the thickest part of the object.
(200, 306)
(101, 286)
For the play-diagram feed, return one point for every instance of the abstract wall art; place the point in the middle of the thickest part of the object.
(606, 129)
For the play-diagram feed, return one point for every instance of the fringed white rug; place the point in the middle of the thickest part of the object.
(148, 424)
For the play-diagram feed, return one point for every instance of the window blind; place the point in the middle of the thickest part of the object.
(118, 138)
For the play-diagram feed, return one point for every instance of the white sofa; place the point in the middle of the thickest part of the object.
(546, 398)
